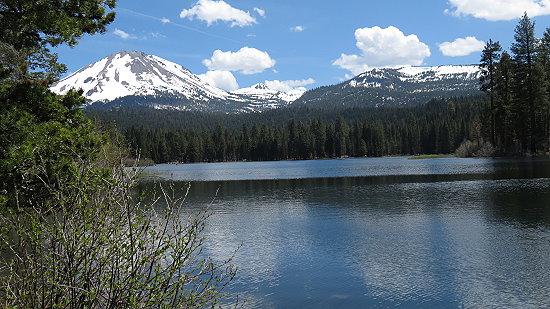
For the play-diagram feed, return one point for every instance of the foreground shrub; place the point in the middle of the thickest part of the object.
(100, 248)
(72, 234)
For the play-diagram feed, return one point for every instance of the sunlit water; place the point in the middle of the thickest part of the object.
(377, 233)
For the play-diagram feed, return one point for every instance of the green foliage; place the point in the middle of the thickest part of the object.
(519, 89)
(477, 148)
(43, 137)
(73, 235)
(298, 133)
(524, 54)
(102, 248)
(503, 108)
(32, 27)
(489, 59)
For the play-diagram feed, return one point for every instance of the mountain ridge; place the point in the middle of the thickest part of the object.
(135, 79)
(408, 85)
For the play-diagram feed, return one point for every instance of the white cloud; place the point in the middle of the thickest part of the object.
(494, 10)
(221, 79)
(164, 20)
(461, 47)
(123, 35)
(260, 12)
(247, 61)
(387, 47)
(288, 85)
(213, 11)
(297, 29)
(157, 35)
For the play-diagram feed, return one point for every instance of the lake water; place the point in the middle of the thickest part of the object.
(377, 232)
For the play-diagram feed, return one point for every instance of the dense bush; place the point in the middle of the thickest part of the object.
(72, 234)
(479, 148)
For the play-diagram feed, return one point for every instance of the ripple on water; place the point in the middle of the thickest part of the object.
(471, 233)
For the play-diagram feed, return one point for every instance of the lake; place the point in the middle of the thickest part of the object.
(377, 232)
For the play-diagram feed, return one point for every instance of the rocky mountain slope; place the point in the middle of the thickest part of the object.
(397, 87)
(134, 79)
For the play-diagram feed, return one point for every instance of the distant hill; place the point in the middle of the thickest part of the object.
(396, 87)
(136, 80)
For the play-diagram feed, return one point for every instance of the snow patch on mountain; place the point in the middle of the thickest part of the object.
(442, 70)
(137, 74)
(408, 85)
(132, 78)
(386, 77)
(262, 92)
(422, 74)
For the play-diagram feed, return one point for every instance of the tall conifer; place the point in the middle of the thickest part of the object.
(489, 59)
(524, 51)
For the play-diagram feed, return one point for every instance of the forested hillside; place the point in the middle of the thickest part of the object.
(439, 126)
(391, 87)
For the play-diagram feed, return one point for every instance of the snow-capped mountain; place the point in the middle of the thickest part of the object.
(397, 86)
(457, 76)
(136, 79)
(261, 94)
(137, 74)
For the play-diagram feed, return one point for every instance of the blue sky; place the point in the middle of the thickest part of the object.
(237, 43)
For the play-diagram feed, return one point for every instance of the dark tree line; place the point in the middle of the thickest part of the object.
(519, 92)
(436, 127)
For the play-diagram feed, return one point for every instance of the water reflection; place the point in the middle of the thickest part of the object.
(476, 240)
(356, 167)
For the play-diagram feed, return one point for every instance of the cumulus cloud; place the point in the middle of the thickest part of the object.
(288, 85)
(297, 29)
(213, 11)
(461, 47)
(387, 47)
(494, 10)
(164, 20)
(123, 35)
(247, 61)
(260, 12)
(221, 79)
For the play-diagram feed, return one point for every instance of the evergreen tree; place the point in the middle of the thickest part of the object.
(29, 28)
(505, 120)
(540, 96)
(489, 59)
(341, 130)
(524, 51)
(544, 50)
(544, 57)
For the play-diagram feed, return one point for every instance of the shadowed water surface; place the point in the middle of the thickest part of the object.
(381, 232)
